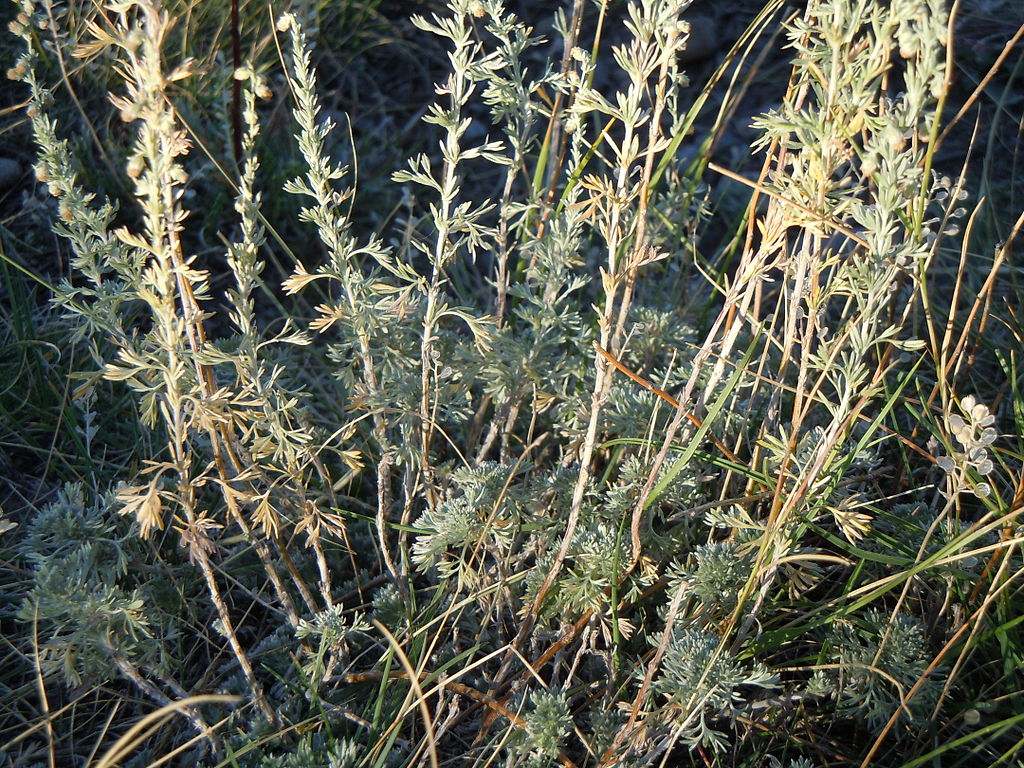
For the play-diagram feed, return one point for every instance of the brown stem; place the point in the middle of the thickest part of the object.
(229, 631)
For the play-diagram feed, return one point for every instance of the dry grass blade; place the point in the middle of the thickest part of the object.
(152, 723)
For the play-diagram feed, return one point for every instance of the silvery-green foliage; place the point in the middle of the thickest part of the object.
(630, 409)
(657, 35)
(602, 548)
(275, 430)
(388, 607)
(547, 724)
(604, 725)
(510, 93)
(86, 609)
(875, 198)
(331, 627)
(98, 293)
(596, 562)
(540, 347)
(508, 90)
(326, 639)
(477, 522)
(828, 495)
(683, 210)
(459, 225)
(713, 575)
(874, 661)
(388, 316)
(704, 683)
(319, 184)
(373, 295)
(658, 349)
(197, 392)
(343, 753)
(669, 527)
(661, 335)
(312, 751)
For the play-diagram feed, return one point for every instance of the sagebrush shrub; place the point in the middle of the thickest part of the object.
(526, 474)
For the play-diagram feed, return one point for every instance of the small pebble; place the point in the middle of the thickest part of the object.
(10, 173)
(703, 41)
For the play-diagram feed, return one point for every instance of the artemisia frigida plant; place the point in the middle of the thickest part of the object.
(570, 516)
